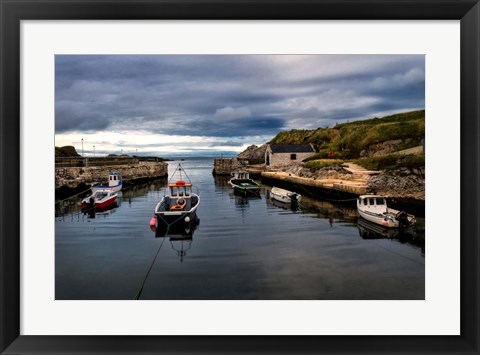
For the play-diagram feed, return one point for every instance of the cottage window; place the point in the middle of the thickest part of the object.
(293, 156)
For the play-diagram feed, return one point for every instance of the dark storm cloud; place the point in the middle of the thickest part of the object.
(230, 96)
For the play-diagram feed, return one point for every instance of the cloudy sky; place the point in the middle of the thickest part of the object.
(175, 105)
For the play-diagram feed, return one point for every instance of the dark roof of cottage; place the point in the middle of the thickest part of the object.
(291, 148)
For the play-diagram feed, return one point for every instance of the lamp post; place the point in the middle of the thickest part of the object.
(94, 151)
(82, 147)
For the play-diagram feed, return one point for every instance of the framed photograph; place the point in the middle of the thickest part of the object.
(238, 177)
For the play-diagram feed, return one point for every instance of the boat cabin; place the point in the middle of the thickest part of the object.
(114, 179)
(180, 189)
(180, 194)
(240, 174)
(373, 203)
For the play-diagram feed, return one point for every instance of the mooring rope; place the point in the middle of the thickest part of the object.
(139, 292)
(72, 196)
(325, 198)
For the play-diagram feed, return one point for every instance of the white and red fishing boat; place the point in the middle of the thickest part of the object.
(114, 184)
(100, 199)
(178, 207)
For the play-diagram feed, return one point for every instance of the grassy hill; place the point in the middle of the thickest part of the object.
(353, 139)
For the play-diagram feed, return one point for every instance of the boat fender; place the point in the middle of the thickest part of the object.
(187, 219)
(153, 221)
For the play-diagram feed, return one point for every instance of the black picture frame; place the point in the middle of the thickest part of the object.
(12, 12)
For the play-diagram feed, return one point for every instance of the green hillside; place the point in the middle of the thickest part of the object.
(347, 140)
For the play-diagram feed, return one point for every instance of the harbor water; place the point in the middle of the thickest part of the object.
(242, 249)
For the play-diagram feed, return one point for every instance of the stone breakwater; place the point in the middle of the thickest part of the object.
(402, 183)
(73, 177)
(225, 166)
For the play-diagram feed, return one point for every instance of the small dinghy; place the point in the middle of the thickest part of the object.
(100, 199)
(179, 205)
(242, 184)
(374, 208)
(285, 196)
(114, 183)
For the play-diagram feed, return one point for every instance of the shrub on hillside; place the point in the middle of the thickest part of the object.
(392, 162)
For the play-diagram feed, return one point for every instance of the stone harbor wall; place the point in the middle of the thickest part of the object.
(225, 166)
(72, 177)
(400, 183)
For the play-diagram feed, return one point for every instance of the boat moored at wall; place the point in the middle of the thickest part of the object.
(374, 208)
(100, 199)
(242, 184)
(284, 196)
(115, 183)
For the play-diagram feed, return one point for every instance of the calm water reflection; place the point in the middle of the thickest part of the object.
(242, 248)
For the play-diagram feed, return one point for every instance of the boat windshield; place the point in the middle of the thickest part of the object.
(100, 195)
(181, 191)
(380, 201)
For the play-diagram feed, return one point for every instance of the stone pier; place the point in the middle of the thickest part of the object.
(224, 166)
(73, 176)
(352, 187)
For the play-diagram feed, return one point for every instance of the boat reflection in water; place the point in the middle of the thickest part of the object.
(294, 207)
(95, 212)
(180, 236)
(411, 235)
(333, 213)
(243, 201)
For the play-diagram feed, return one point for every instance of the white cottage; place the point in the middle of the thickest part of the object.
(278, 155)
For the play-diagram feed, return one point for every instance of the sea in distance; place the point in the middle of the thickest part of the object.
(242, 249)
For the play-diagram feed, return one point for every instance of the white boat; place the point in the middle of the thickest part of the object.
(178, 207)
(115, 183)
(100, 199)
(285, 196)
(374, 208)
